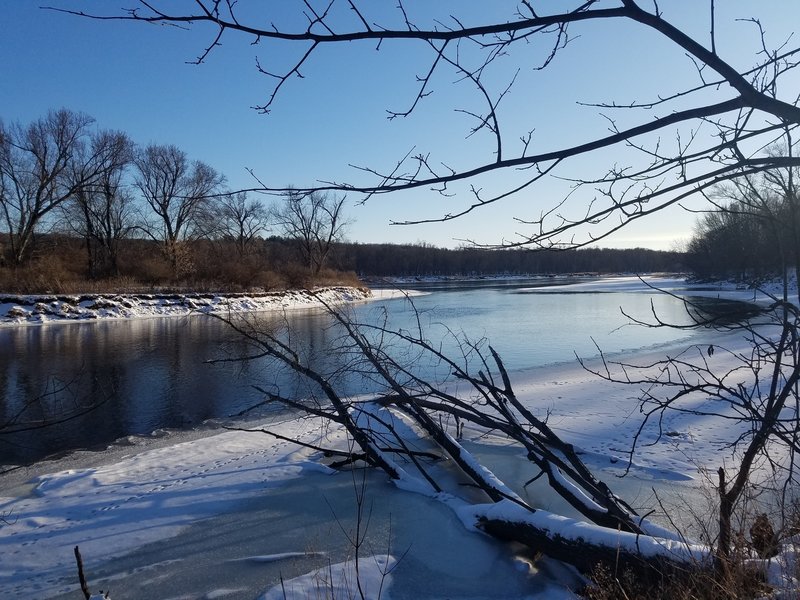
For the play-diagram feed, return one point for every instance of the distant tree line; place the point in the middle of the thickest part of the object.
(752, 231)
(79, 204)
(424, 259)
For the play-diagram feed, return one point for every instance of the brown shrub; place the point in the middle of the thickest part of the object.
(740, 581)
(49, 274)
(60, 266)
(268, 281)
(297, 276)
(330, 277)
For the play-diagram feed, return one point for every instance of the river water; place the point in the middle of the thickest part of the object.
(151, 374)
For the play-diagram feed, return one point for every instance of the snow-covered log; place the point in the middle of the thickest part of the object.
(415, 414)
(585, 545)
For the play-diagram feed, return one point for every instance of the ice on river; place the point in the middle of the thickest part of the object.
(242, 515)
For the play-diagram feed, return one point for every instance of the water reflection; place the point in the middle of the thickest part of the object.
(154, 373)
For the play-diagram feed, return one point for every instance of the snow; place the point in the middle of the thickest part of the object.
(229, 515)
(110, 510)
(339, 581)
(17, 310)
(614, 284)
(567, 528)
(783, 571)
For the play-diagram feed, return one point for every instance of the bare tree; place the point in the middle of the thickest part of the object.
(101, 211)
(751, 227)
(719, 120)
(720, 116)
(178, 192)
(760, 392)
(771, 200)
(242, 220)
(38, 168)
(410, 427)
(315, 222)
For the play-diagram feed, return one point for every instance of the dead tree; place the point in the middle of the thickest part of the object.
(414, 417)
(757, 392)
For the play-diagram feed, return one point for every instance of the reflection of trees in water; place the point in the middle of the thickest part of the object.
(70, 366)
(149, 374)
(719, 312)
(312, 331)
(153, 373)
(34, 412)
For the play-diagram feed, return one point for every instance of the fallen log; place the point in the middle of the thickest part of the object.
(585, 545)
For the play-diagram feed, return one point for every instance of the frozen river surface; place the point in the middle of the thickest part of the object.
(210, 514)
(152, 374)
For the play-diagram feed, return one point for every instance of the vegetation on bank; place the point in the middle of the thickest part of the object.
(59, 265)
(85, 209)
(752, 231)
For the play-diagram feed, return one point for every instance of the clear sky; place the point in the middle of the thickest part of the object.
(135, 78)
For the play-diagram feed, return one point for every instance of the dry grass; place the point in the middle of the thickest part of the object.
(146, 274)
(58, 265)
(741, 581)
(763, 523)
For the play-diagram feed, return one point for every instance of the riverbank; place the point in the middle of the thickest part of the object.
(232, 514)
(240, 515)
(40, 309)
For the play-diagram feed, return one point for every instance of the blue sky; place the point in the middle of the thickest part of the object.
(135, 78)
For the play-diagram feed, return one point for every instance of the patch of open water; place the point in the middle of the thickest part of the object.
(153, 374)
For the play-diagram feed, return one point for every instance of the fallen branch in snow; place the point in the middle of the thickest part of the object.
(585, 546)
(348, 455)
(417, 416)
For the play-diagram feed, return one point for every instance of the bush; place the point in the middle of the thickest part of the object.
(60, 266)
(49, 275)
(741, 581)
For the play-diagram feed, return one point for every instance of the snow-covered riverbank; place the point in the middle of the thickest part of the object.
(232, 514)
(38, 309)
(226, 514)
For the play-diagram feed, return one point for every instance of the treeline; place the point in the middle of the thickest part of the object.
(384, 260)
(274, 263)
(87, 209)
(752, 233)
(58, 265)
(80, 203)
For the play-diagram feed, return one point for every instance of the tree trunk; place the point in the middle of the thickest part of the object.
(725, 512)
(585, 546)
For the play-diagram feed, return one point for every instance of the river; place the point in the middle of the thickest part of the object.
(154, 374)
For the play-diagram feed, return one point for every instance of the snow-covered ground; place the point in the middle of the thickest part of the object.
(18, 310)
(233, 514)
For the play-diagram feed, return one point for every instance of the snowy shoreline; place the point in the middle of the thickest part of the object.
(132, 510)
(18, 310)
(136, 509)
(39, 309)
